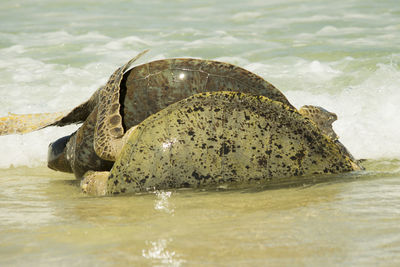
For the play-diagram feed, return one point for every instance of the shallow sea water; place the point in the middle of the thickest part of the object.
(350, 221)
(342, 55)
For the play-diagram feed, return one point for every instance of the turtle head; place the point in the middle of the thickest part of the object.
(322, 118)
(56, 156)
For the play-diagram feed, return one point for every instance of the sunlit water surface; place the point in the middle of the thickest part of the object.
(351, 221)
(342, 55)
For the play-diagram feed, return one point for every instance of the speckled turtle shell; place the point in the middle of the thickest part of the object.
(222, 137)
(151, 87)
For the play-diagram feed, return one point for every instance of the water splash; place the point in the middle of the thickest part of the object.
(158, 252)
(162, 202)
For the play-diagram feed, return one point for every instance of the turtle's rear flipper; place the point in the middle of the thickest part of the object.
(80, 113)
(25, 123)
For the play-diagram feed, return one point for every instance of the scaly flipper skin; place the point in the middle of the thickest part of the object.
(80, 152)
(25, 123)
(80, 113)
(95, 183)
(109, 129)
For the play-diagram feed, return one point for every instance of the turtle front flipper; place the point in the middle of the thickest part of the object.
(26, 123)
(95, 183)
(109, 129)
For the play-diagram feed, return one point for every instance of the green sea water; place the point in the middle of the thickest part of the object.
(342, 55)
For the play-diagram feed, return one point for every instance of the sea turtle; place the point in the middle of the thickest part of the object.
(215, 138)
(324, 120)
(127, 99)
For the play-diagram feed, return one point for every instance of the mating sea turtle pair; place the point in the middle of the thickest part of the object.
(128, 98)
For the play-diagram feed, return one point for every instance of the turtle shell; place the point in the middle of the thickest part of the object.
(148, 88)
(222, 137)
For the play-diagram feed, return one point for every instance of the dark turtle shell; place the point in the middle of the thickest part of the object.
(151, 87)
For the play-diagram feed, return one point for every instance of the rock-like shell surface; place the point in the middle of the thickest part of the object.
(222, 137)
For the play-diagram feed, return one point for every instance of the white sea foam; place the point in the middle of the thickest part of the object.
(332, 31)
(29, 149)
(368, 122)
(239, 61)
(244, 16)
(293, 73)
(366, 100)
(215, 40)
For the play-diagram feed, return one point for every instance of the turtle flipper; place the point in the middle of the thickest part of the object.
(109, 130)
(95, 183)
(80, 113)
(25, 123)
